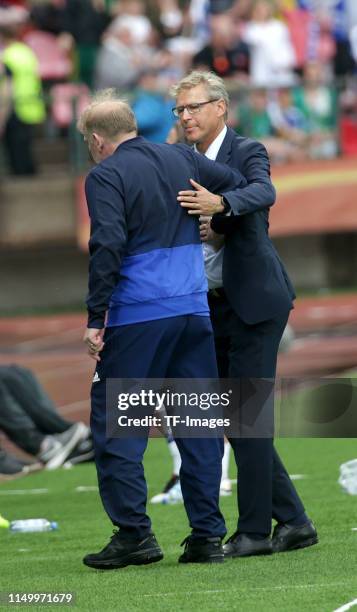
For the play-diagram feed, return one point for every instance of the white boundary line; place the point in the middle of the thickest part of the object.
(79, 489)
(347, 606)
(23, 491)
(247, 589)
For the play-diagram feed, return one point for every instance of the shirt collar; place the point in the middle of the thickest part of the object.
(215, 146)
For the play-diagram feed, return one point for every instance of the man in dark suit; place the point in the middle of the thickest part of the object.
(147, 288)
(250, 298)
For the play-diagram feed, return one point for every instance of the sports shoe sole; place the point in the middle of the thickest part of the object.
(136, 558)
(304, 544)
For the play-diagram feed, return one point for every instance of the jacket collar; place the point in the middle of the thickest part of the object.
(225, 151)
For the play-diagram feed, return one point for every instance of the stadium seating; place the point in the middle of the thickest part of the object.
(54, 64)
(67, 98)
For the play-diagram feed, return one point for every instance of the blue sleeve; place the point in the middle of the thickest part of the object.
(107, 242)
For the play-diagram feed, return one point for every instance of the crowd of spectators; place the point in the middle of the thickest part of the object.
(290, 65)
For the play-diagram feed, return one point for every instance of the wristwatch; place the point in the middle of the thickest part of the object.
(227, 208)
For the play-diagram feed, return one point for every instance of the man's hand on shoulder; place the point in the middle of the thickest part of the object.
(200, 201)
(93, 338)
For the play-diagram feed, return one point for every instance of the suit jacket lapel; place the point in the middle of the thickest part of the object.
(225, 151)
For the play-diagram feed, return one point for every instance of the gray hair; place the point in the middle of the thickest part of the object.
(214, 85)
(108, 115)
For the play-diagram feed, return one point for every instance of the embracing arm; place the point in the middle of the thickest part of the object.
(259, 193)
(214, 178)
(252, 188)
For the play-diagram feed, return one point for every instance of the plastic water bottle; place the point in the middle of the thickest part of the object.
(32, 525)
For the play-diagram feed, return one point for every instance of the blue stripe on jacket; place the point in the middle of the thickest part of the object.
(158, 284)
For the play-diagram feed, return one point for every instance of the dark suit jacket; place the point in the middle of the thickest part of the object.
(254, 278)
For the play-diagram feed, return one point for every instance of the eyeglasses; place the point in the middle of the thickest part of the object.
(192, 109)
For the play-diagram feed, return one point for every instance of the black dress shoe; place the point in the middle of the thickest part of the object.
(291, 537)
(241, 545)
(121, 552)
(202, 550)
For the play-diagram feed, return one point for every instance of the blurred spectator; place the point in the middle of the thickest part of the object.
(255, 121)
(311, 35)
(119, 61)
(170, 17)
(289, 124)
(48, 16)
(132, 17)
(5, 97)
(353, 42)
(152, 109)
(24, 106)
(85, 21)
(272, 54)
(226, 55)
(220, 6)
(331, 17)
(318, 103)
(253, 118)
(30, 420)
(169, 70)
(199, 15)
(343, 60)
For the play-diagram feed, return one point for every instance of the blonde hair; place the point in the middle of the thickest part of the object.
(214, 85)
(107, 115)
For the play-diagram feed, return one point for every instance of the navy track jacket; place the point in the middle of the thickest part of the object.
(146, 258)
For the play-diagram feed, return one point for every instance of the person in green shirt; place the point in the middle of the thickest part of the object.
(318, 103)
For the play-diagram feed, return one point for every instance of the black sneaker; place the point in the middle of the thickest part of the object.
(121, 552)
(202, 550)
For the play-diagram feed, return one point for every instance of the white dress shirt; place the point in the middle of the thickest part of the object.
(213, 258)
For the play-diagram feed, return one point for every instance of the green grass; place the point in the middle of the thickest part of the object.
(320, 578)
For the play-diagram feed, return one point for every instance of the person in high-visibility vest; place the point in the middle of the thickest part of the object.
(24, 105)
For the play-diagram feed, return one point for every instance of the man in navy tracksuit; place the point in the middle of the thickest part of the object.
(147, 286)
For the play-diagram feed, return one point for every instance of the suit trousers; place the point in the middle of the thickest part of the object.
(177, 347)
(265, 490)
